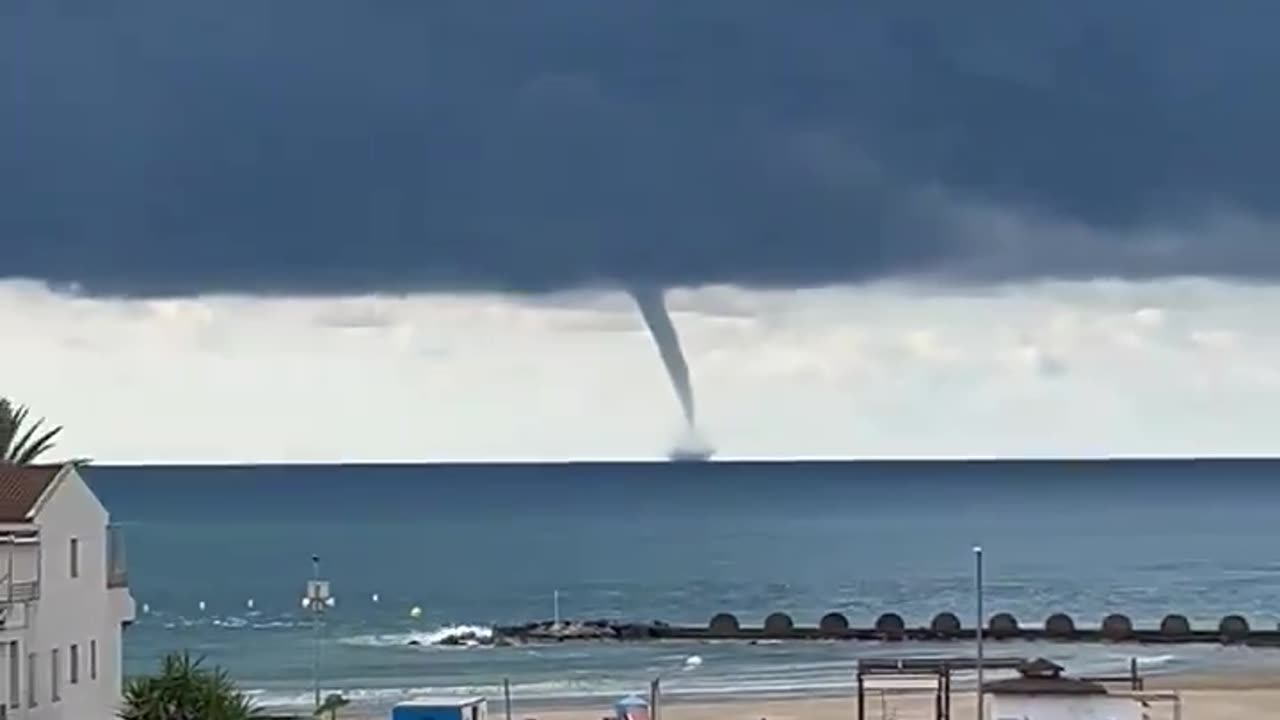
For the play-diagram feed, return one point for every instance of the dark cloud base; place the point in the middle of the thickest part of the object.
(153, 146)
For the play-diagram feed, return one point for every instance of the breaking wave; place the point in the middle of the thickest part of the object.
(450, 635)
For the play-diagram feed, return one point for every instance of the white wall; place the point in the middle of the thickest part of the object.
(71, 611)
(1042, 707)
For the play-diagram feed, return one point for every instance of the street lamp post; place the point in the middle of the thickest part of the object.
(977, 554)
(316, 600)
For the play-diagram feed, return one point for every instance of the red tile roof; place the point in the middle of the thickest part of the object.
(21, 487)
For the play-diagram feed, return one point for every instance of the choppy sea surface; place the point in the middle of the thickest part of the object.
(219, 558)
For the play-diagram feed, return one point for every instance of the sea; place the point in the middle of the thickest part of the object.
(219, 558)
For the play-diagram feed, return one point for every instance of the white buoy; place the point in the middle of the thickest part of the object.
(306, 603)
(249, 604)
(415, 612)
(145, 608)
(331, 601)
(693, 661)
(375, 597)
(201, 606)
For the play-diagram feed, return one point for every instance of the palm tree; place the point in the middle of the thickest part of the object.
(19, 447)
(183, 690)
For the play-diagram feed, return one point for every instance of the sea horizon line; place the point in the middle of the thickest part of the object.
(721, 462)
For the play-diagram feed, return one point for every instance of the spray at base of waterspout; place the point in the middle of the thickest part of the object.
(692, 447)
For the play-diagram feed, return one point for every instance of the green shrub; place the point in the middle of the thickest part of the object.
(183, 690)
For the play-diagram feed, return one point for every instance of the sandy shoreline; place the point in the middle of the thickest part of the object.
(1243, 696)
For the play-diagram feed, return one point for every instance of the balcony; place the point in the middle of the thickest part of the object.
(18, 592)
(14, 596)
(19, 578)
(117, 564)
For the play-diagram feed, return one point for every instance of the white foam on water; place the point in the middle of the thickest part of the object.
(439, 636)
(250, 621)
(766, 679)
(559, 690)
(1157, 661)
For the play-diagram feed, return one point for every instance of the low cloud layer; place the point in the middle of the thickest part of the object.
(1180, 368)
(159, 147)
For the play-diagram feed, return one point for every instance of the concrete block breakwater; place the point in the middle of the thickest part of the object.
(1116, 628)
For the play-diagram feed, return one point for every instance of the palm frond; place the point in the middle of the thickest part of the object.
(22, 444)
(184, 690)
(8, 428)
(31, 447)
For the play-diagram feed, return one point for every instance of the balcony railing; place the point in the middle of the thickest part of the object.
(18, 592)
(117, 563)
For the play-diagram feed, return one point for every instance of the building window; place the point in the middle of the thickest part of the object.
(55, 675)
(75, 557)
(93, 659)
(31, 680)
(15, 676)
(75, 665)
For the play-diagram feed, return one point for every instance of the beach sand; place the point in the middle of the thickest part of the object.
(1204, 697)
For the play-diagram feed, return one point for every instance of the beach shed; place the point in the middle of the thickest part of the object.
(632, 707)
(1041, 692)
(448, 708)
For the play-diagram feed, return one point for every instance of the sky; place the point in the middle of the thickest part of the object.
(309, 231)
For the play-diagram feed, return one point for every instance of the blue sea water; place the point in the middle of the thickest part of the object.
(475, 545)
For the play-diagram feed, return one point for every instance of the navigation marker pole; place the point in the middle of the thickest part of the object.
(317, 599)
(977, 554)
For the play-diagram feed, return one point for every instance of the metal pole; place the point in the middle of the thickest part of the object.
(862, 697)
(316, 604)
(9, 570)
(977, 554)
(654, 701)
(506, 694)
(947, 700)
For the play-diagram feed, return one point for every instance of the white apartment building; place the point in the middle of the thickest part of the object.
(64, 598)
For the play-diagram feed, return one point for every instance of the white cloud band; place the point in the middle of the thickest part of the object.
(1180, 367)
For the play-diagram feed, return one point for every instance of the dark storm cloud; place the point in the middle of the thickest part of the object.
(151, 145)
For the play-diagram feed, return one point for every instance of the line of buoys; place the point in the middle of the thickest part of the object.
(252, 605)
